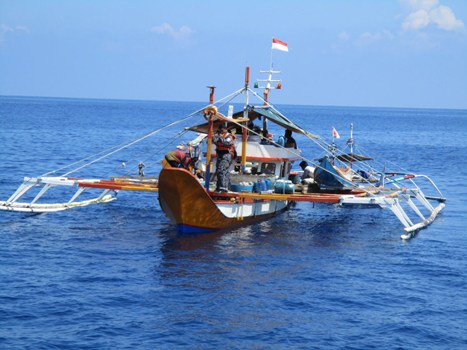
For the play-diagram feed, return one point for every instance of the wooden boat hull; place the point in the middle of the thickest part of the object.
(189, 206)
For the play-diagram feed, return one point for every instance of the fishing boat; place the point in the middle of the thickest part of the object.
(331, 177)
(261, 185)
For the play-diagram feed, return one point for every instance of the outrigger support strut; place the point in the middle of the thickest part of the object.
(394, 198)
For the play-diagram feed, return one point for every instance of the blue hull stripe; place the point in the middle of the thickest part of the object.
(193, 229)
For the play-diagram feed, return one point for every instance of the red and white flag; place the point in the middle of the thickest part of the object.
(279, 45)
(335, 134)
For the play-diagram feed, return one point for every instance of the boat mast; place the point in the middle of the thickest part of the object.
(210, 132)
(245, 117)
(266, 94)
(268, 87)
(350, 143)
(247, 82)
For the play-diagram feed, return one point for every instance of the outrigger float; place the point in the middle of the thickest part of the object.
(262, 181)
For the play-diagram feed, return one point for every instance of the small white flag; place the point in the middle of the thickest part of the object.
(335, 134)
(279, 45)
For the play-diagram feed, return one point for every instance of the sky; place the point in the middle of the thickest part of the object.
(375, 53)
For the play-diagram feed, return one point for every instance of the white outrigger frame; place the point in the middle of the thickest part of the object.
(49, 182)
(394, 198)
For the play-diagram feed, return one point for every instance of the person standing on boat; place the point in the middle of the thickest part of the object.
(179, 159)
(225, 150)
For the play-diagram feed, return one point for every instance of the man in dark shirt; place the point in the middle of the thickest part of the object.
(289, 140)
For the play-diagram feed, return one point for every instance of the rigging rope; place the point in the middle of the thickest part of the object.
(152, 133)
(117, 148)
(226, 100)
(321, 143)
(154, 151)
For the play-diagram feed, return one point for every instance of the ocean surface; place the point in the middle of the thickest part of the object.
(118, 276)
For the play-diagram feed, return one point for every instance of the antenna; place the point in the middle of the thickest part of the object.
(269, 83)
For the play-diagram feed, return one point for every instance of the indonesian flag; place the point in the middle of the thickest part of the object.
(335, 134)
(279, 45)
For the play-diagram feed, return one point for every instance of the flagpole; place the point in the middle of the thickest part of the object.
(270, 60)
(333, 147)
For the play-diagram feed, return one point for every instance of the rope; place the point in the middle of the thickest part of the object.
(321, 143)
(294, 152)
(152, 133)
(317, 140)
(117, 148)
(156, 150)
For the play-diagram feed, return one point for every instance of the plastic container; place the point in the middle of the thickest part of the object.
(259, 186)
(295, 177)
(284, 186)
(241, 187)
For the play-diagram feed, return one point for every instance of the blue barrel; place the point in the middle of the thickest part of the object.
(244, 187)
(256, 187)
(284, 186)
(259, 186)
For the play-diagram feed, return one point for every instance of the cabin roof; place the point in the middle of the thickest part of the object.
(254, 113)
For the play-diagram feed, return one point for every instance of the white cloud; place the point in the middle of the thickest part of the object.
(184, 32)
(22, 29)
(445, 19)
(429, 12)
(6, 29)
(416, 20)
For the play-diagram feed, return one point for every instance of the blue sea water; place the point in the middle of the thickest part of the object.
(118, 276)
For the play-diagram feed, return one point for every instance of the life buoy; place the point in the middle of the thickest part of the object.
(210, 111)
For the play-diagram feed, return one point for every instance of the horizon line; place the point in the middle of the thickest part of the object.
(181, 101)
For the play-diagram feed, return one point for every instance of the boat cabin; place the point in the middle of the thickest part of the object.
(263, 158)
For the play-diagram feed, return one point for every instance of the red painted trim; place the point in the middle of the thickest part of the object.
(108, 186)
(263, 159)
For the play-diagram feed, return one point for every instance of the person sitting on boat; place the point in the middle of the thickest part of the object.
(287, 140)
(308, 170)
(225, 150)
(179, 159)
(255, 134)
(267, 137)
